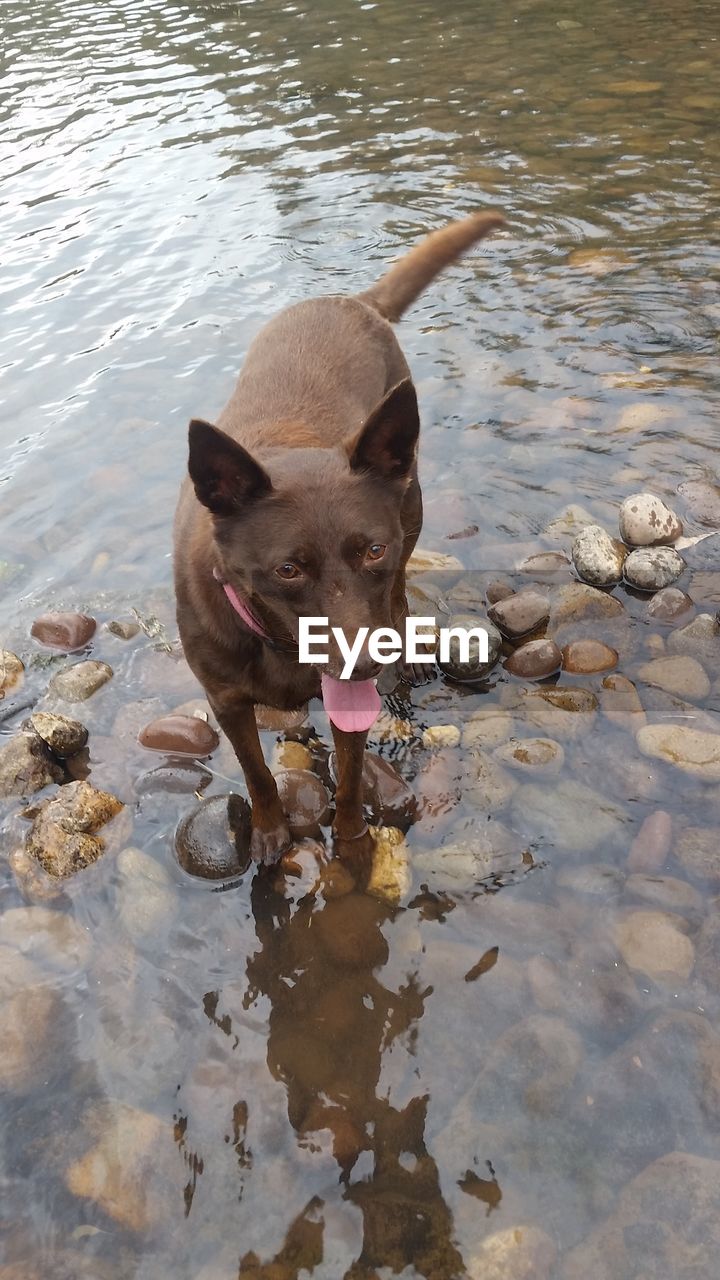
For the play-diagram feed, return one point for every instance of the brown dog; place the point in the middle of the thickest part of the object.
(304, 502)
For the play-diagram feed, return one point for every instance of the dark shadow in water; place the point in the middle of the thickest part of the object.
(331, 1020)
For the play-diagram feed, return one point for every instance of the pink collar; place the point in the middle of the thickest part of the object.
(242, 610)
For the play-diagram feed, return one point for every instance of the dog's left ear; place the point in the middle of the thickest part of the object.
(387, 443)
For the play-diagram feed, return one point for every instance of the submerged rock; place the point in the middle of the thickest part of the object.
(521, 613)
(145, 895)
(578, 602)
(569, 816)
(386, 795)
(645, 521)
(180, 735)
(652, 568)
(597, 557)
(475, 670)
(81, 681)
(650, 942)
(390, 877)
(535, 660)
(522, 1252)
(62, 837)
(697, 849)
(668, 604)
(666, 892)
(213, 842)
(66, 631)
(498, 590)
(11, 671)
(691, 750)
(703, 499)
(587, 657)
(30, 1021)
(700, 638)
(531, 755)
(64, 737)
(679, 674)
(305, 801)
(441, 736)
(560, 712)
(620, 702)
(26, 765)
(650, 848)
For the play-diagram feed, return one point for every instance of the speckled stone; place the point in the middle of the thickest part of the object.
(646, 521)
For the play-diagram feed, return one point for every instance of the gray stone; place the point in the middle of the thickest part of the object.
(703, 499)
(519, 614)
(651, 568)
(64, 737)
(700, 638)
(26, 765)
(646, 521)
(81, 681)
(597, 557)
(475, 670)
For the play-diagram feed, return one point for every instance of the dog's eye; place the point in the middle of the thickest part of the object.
(376, 551)
(288, 571)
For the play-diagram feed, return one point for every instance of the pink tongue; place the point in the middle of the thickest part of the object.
(352, 705)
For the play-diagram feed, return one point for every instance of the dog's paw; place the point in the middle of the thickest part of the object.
(357, 854)
(417, 674)
(267, 847)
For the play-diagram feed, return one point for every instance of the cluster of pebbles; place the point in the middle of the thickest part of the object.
(645, 558)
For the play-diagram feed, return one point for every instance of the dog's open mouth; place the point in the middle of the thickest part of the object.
(352, 705)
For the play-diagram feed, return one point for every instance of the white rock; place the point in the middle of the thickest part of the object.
(691, 750)
(597, 557)
(651, 943)
(679, 674)
(652, 568)
(645, 521)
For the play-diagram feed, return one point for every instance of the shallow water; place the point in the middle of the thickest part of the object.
(276, 1081)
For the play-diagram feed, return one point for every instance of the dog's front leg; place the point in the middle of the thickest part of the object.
(270, 833)
(350, 828)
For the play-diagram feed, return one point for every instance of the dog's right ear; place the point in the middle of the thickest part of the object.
(226, 477)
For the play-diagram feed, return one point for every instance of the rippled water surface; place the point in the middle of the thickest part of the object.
(478, 1077)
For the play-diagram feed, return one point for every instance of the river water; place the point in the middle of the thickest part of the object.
(277, 1080)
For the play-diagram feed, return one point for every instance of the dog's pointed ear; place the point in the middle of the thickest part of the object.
(226, 477)
(387, 443)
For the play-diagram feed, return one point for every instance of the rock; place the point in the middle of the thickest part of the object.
(679, 674)
(26, 765)
(651, 943)
(11, 671)
(531, 755)
(494, 854)
(348, 930)
(305, 801)
(534, 660)
(498, 590)
(179, 777)
(62, 837)
(66, 631)
(656, 1229)
(123, 629)
(651, 568)
(578, 601)
(668, 604)
(545, 562)
(560, 712)
(691, 750)
(50, 939)
(708, 954)
(422, 561)
(487, 727)
(132, 1172)
(567, 524)
(180, 735)
(29, 1021)
(703, 499)
(531, 1067)
(620, 702)
(390, 878)
(291, 755)
(81, 681)
(487, 785)
(517, 1253)
(601, 997)
(666, 892)
(475, 670)
(592, 880)
(586, 657)
(650, 848)
(64, 737)
(521, 613)
(700, 638)
(645, 521)
(697, 849)
(597, 557)
(146, 898)
(598, 262)
(441, 735)
(570, 816)
(213, 842)
(274, 720)
(386, 795)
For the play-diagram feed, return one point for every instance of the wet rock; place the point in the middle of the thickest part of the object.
(620, 702)
(518, 1253)
(592, 880)
(521, 613)
(654, 1231)
(486, 784)
(599, 996)
(422, 561)
(274, 720)
(597, 557)
(579, 602)
(180, 735)
(545, 562)
(182, 777)
(305, 801)
(64, 737)
(598, 262)
(348, 930)
(291, 755)
(708, 954)
(697, 849)
(11, 671)
(213, 842)
(123, 629)
(81, 681)
(535, 660)
(390, 877)
(666, 892)
(652, 568)
(26, 765)
(700, 638)
(532, 1066)
(531, 755)
(650, 942)
(679, 674)
(29, 1020)
(668, 604)
(569, 816)
(498, 590)
(131, 1172)
(386, 795)
(62, 837)
(475, 670)
(559, 712)
(586, 657)
(145, 896)
(691, 750)
(441, 735)
(650, 848)
(494, 854)
(567, 524)
(645, 521)
(487, 727)
(50, 939)
(66, 631)
(703, 500)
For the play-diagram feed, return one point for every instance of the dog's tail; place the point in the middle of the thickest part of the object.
(405, 281)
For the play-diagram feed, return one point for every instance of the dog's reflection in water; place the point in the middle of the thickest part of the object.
(320, 964)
